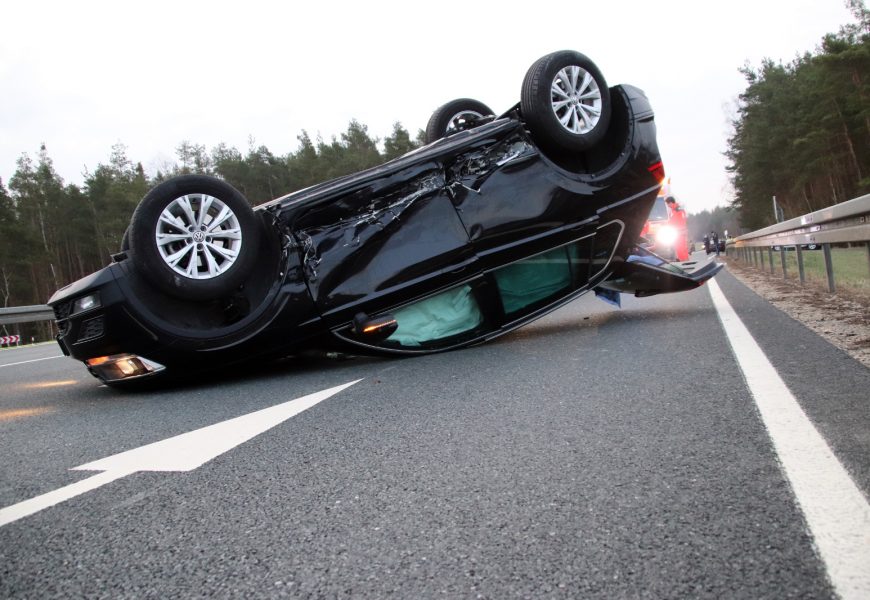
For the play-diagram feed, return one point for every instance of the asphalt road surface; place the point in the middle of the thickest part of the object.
(597, 453)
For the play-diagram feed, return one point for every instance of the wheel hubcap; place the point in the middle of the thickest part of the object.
(198, 236)
(576, 100)
(457, 122)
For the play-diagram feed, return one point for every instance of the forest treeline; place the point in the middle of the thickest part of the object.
(802, 130)
(52, 233)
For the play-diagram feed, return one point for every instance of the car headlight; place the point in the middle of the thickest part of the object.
(666, 235)
(122, 366)
(85, 303)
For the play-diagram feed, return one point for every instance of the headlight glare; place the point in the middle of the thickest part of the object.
(666, 235)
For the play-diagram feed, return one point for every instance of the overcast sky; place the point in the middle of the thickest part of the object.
(82, 76)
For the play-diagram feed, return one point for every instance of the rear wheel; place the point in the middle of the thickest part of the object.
(194, 237)
(565, 101)
(455, 116)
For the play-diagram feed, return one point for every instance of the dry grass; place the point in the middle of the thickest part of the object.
(851, 268)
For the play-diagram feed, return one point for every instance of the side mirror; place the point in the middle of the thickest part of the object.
(374, 329)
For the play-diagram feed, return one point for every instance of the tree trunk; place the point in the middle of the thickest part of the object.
(849, 144)
(47, 251)
(806, 200)
(101, 240)
(856, 79)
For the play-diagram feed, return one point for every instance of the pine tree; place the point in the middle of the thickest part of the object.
(398, 142)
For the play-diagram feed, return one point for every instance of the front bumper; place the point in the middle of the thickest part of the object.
(105, 336)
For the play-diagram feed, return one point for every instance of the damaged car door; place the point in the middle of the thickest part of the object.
(393, 238)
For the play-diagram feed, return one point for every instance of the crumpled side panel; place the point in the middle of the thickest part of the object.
(389, 241)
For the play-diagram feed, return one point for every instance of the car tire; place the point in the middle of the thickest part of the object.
(194, 237)
(455, 116)
(565, 102)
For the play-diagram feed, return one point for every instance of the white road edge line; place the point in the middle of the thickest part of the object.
(24, 362)
(183, 452)
(836, 512)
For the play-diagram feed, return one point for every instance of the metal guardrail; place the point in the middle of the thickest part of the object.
(26, 314)
(847, 222)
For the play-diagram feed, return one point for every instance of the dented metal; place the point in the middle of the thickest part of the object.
(310, 260)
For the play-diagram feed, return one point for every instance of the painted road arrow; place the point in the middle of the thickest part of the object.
(183, 452)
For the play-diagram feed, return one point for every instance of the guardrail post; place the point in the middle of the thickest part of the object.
(844, 222)
(800, 262)
(829, 267)
(782, 261)
(770, 258)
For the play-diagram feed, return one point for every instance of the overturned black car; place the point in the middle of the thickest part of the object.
(497, 221)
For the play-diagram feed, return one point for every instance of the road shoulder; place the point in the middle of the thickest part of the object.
(841, 319)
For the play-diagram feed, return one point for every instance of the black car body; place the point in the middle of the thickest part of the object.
(453, 244)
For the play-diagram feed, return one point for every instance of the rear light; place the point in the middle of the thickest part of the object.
(658, 171)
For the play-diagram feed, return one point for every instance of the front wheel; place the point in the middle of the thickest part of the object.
(565, 101)
(194, 237)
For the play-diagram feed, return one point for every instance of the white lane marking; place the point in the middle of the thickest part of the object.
(190, 450)
(183, 452)
(26, 508)
(24, 362)
(837, 513)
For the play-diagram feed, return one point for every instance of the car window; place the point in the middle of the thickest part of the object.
(437, 318)
(544, 278)
(659, 210)
(534, 279)
(457, 315)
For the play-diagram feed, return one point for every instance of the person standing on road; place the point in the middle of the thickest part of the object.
(678, 221)
(714, 239)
